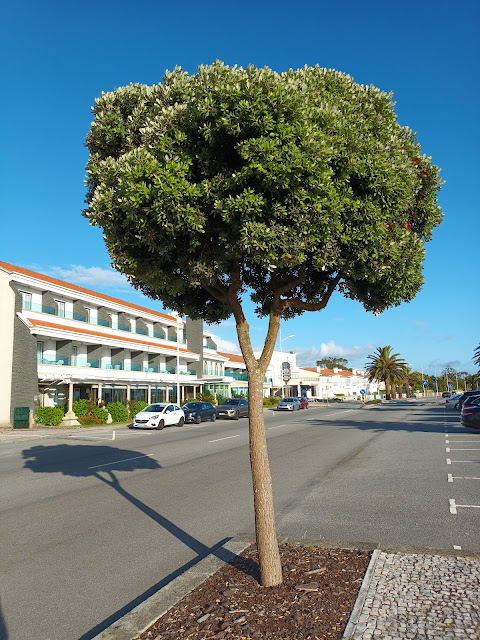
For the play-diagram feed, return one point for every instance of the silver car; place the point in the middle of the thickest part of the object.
(289, 404)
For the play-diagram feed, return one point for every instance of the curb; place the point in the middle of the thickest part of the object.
(136, 621)
(362, 594)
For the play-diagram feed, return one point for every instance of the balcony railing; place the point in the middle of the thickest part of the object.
(56, 360)
(236, 376)
(80, 317)
(209, 346)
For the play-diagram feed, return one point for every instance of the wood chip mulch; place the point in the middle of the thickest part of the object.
(314, 602)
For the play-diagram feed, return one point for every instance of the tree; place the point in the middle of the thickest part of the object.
(476, 356)
(282, 186)
(386, 367)
(331, 362)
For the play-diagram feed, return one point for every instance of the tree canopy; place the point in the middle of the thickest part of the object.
(283, 184)
(331, 362)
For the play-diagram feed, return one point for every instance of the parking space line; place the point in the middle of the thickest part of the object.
(454, 506)
(227, 438)
(451, 478)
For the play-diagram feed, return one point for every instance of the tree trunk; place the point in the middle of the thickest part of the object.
(267, 544)
(387, 389)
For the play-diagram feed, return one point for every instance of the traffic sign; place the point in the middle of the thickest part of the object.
(434, 379)
(362, 392)
(450, 386)
(425, 383)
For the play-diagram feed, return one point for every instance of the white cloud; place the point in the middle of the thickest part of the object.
(227, 346)
(89, 276)
(309, 357)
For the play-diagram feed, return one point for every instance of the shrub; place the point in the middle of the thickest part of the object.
(135, 406)
(220, 399)
(376, 401)
(63, 407)
(340, 395)
(206, 397)
(272, 401)
(118, 412)
(49, 416)
(80, 408)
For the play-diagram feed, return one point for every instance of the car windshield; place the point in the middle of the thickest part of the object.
(193, 406)
(232, 401)
(289, 400)
(154, 407)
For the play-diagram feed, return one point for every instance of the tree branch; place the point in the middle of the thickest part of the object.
(313, 306)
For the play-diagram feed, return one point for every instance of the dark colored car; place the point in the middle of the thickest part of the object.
(446, 394)
(198, 411)
(470, 416)
(464, 396)
(303, 403)
(233, 408)
(471, 401)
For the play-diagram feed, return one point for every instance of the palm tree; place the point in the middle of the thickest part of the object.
(386, 367)
(476, 356)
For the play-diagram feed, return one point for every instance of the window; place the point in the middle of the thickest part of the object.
(60, 308)
(26, 300)
(39, 351)
(89, 314)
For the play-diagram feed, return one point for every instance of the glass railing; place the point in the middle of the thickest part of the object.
(151, 368)
(85, 362)
(187, 372)
(57, 360)
(32, 306)
(133, 366)
(209, 346)
(113, 365)
(80, 317)
(236, 376)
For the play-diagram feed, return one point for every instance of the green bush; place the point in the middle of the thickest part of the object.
(118, 412)
(272, 401)
(135, 406)
(221, 399)
(63, 407)
(49, 416)
(80, 408)
(205, 397)
(377, 401)
(339, 395)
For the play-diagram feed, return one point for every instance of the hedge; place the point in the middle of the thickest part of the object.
(118, 411)
(49, 416)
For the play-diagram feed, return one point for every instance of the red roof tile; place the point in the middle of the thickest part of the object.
(40, 276)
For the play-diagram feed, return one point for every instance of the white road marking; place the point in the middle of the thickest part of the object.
(108, 464)
(279, 427)
(449, 461)
(447, 450)
(457, 547)
(227, 438)
(463, 450)
(453, 507)
(460, 478)
(450, 477)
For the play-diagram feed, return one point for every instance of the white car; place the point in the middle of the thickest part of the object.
(289, 404)
(451, 402)
(159, 415)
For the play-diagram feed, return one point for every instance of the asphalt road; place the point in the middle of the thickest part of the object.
(90, 525)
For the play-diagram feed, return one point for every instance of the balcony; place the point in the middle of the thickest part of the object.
(80, 317)
(209, 346)
(237, 376)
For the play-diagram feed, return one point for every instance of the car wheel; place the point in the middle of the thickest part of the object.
(236, 416)
(160, 425)
(198, 419)
(214, 417)
(181, 422)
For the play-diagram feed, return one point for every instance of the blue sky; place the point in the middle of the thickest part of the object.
(56, 57)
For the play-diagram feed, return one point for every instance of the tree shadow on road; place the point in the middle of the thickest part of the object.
(103, 463)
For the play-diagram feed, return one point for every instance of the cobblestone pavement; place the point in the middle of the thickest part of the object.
(423, 597)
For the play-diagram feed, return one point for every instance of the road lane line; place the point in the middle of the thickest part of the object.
(227, 438)
(279, 427)
(108, 464)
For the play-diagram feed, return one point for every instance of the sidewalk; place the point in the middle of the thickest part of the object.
(418, 596)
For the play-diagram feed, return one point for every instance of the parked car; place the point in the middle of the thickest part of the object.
(470, 401)
(289, 404)
(464, 396)
(159, 415)
(303, 403)
(470, 416)
(451, 403)
(198, 411)
(233, 408)
(446, 394)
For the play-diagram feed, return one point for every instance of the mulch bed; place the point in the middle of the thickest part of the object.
(314, 602)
